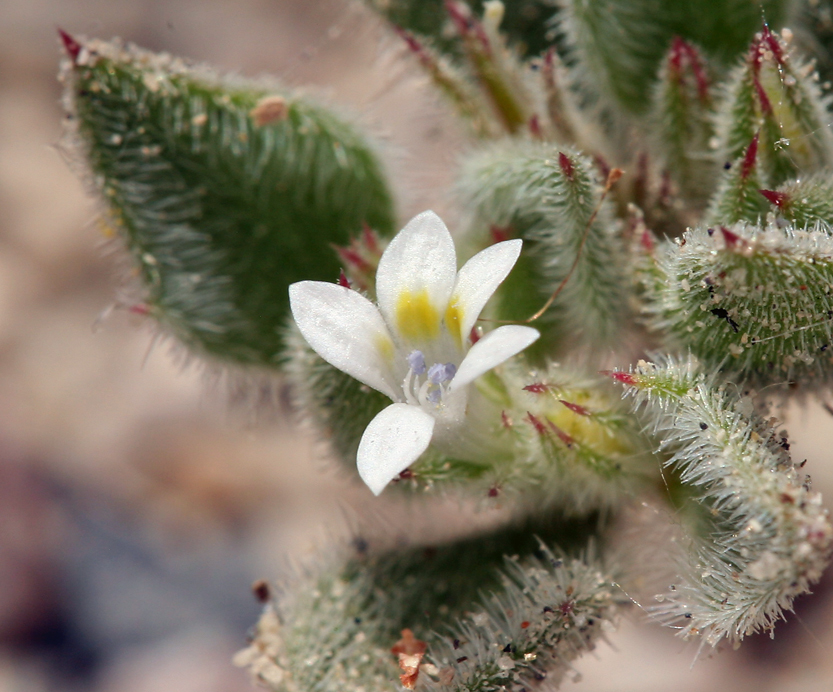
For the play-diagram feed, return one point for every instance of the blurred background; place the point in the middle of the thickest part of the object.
(137, 506)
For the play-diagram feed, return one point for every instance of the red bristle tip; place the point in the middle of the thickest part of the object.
(623, 377)
(410, 40)
(458, 16)
(369, 238)
(575, 408)
(465, 24)
(343, 280)
(696, 64)
(535, 127)
(675, 55)
(774, 45)
(749, 158)
(500, 233)
(763, 99)
(72, 47)
(732, 240)
(350, 256)
(564, 437)
(779, 199)
(537, 387)
(540, 428)
(566, 165)
(549, 59)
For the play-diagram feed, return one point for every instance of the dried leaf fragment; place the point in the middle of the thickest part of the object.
(410, 651)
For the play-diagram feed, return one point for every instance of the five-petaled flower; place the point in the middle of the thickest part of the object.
(415, 346)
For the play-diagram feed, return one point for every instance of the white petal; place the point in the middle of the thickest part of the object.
(476, 282)
(415, 276)
(346, 330)
(392, 442)
(492, 350)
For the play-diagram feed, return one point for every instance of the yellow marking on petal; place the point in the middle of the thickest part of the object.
(416, 318)
(454, 321)
(385, 347)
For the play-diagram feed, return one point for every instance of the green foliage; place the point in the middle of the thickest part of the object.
(550, 197)
(548, 613)
(527, 23)
(738, 197)
(342, 620)
(620, 43)
(769, 538)
(753, 302)
(682, 110)
(774, 96)
(576, 447)
(559, 439)
(472, 64)
(220, 213)
(804, 202)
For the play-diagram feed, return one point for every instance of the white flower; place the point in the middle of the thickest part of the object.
(415, 346)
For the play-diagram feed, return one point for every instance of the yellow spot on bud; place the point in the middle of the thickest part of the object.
(588, 431)
(416, 318)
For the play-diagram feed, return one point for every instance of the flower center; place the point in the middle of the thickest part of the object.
(423, 385)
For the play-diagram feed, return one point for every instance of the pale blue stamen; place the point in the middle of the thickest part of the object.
(434, 395)
(439, 372)
(416, 360)
(436, 373)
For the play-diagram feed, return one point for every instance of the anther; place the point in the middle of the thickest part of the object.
(416, 361)
(439, 372)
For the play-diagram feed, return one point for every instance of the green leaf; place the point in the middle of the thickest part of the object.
(682, 113)
(755, 303)
(551, 198)
(337, 628)
(768, 538)
(775, 95)
(226, 192)
(620, 43)
(527, 23)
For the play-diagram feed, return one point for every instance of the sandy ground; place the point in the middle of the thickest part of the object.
(136, 508)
